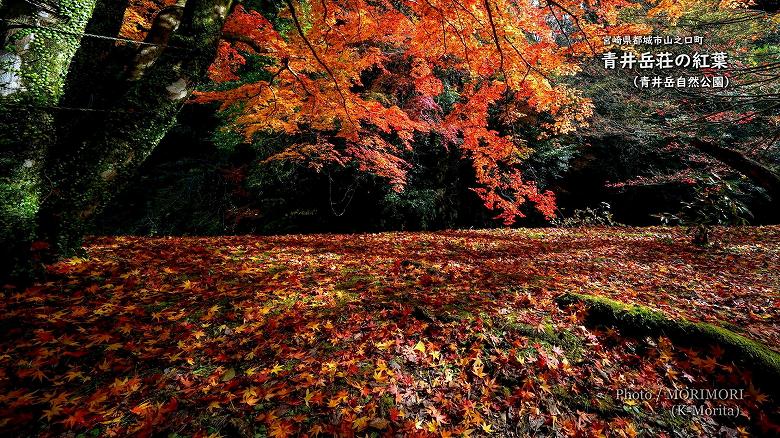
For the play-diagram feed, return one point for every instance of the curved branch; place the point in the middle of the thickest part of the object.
(576, 22)
(495, 39)
(760, 174)
(316, 55)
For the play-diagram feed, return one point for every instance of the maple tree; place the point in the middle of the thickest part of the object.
(367, 77)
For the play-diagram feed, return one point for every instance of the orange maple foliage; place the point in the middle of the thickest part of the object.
(367, 77)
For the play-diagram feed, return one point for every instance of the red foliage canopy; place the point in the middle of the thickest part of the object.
(505, 54)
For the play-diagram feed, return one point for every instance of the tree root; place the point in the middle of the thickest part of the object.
(640, 320)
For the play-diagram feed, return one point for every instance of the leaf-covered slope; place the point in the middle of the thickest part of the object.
(418, 333)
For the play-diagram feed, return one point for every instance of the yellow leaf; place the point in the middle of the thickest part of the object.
(307, 397)
(50, 413)
(316, 430)
(229, 374)
(383, 345)
(630, 430)
(360, 423)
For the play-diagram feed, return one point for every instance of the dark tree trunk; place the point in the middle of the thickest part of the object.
(760, 174)
(36, 48)
(95, 160)
(94, 68)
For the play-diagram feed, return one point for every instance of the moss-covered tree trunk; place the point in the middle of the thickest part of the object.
(93, 161)
(96, 63)
(38, 45)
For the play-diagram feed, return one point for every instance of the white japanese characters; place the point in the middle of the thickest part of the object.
(650, 40)
(630, 59)
(664, 60)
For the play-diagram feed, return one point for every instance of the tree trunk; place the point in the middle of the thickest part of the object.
(90, 165)
(760, 174)
(37, 46)
(91, 71)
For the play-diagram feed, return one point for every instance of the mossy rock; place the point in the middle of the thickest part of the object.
(640, 320)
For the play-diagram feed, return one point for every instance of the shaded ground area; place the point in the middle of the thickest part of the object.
(419, 333)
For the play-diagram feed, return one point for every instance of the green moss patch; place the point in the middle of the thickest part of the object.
(640, 320)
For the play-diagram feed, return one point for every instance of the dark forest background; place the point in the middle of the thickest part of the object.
(205, 180)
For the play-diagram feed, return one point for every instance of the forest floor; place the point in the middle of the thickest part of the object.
(454, 332)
